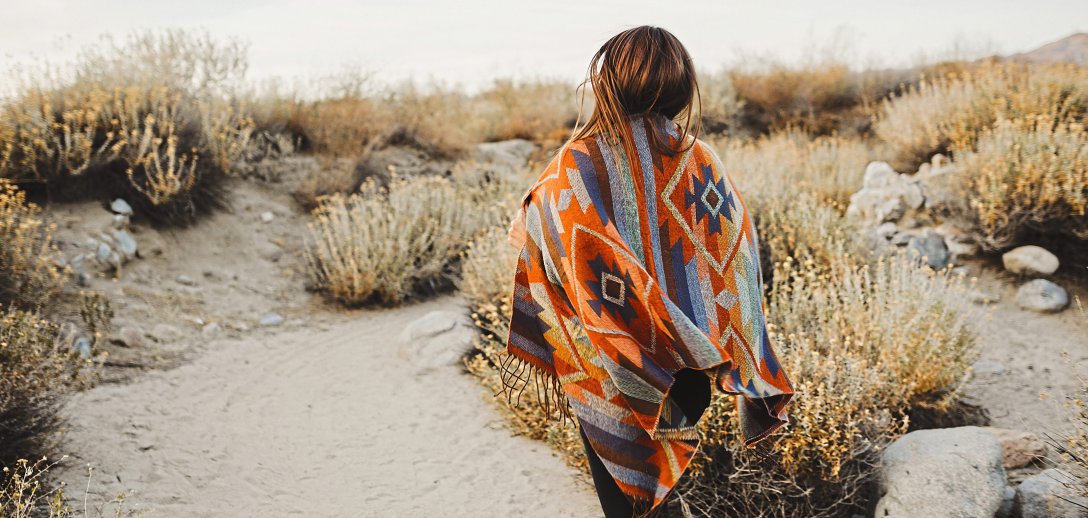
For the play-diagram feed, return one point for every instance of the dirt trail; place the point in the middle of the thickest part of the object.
(308, 422)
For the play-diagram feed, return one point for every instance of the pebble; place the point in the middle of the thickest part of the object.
(1030, 259)
(267, 217)
(271, 319)
(185, 280)
(1043, 296)
(121, 207)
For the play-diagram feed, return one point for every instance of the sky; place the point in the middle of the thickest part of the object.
(471, 42)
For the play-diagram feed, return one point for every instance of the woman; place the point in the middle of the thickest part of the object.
(638, 282)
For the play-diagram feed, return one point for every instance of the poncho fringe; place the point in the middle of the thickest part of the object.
(631, 268)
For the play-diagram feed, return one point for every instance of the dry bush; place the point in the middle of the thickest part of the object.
(830, 168)
(34, 369)
(721, 108)
(151, 119)
(953, 110)
(534, 110)
(386, 243)
(29, 275)
(487, 280)
(25, 493)
(1025, 179)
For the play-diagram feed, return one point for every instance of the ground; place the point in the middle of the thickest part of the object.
(329, 414)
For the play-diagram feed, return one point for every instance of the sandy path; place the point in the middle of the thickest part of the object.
(315, 422)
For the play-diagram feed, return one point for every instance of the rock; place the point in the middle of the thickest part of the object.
(185, 280)
(271, 319)
(953, 472)
(513, 153)
(122, 207)
(911, 193)
(165, 332)
(930, 248)
(211, 329)
(267, 217)
(1043, 296)
(1049, 494)
(82, 345)
(102, 252)
(1019, 448)
(902, 238)
(126, 244)
(985, 368)
(879, 175)
(890, 210)
(128, 337)
(437, 339)
(982, 297)
(120, 221)
(1005, 511)
(1030, 259)
(938, 161)
(887, 230)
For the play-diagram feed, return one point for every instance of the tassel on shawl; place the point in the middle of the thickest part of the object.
(517, 374)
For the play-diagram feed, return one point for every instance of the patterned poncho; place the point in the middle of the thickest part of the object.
(630, 269)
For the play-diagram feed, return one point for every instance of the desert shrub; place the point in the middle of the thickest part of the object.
(487, 281)
(34, 369)
(830, 168)
(385, 243)
(952, 111)
(151, 119)
(721, 108)
(29, 275)
(538, 110)
(26, 491)
(1025, 179)
(777, 96)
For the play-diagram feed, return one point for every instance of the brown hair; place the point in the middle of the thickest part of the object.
(639, 72)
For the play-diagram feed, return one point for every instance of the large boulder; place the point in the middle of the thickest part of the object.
(1030, 259)
(948, 472)
(1043, 296)
(1050, 494)
(885, 194)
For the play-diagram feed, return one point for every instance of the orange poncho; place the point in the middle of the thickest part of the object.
(630, 269)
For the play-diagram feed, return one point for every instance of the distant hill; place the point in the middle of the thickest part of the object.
(1071, 49)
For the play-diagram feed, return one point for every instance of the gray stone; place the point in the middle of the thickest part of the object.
(949, 472)
(1030, 259)
(890, 210)
(911, 193)
(513, 153)
(125, 243)
(271, 319)
(902, 238)
(437, 339)
(1019, 448)
(879, 175)
(120, 206)
(185, 280)
(887, 230)
(128, 337)
(267, 217)
(82, 345)
(985, 368)
(929, 248)
(1007, 501)
(102, 252)
(1042, 295)
(1050, 494)
(211, 329)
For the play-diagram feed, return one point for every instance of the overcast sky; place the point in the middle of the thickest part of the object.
(472, 41)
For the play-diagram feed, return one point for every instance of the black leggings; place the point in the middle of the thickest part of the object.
(691, 391)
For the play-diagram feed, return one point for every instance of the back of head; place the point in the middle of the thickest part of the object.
(642, 72)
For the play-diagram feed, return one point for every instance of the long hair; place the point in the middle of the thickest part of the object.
(638, 73)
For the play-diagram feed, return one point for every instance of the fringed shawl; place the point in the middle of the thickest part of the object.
(630, 269)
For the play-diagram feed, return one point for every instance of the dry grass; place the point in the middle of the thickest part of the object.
(1025, 179)
(830, 168)
(25, 493)
(29, 275)
(951, 111)
(151, 119)
(386, 243)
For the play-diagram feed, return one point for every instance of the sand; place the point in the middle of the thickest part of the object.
(333, 413)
